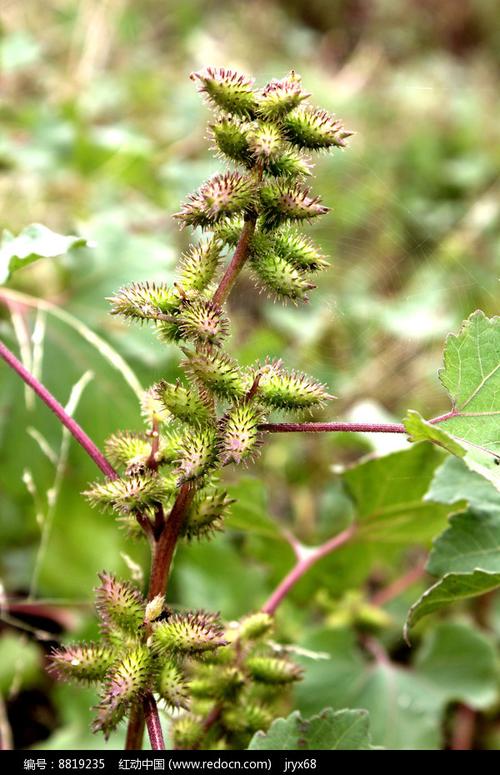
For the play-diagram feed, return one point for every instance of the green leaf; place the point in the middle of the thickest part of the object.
(452, 588)
(454, 482)
(388, 493)
(460, 664)
(404, 713)
(345, 729)
(471, 375)
(34, 242)
(250, 512)
(471, 372)
(471, 542)
(467, 554)
(406, 704)
(419, 429)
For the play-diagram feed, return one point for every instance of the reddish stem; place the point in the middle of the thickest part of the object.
(135, 729)
(53, 404)
(464, 729)
(153, 724)
(398, 586)
(376, 649)
(152, 462)
(236, 264)
(332, 427)
(164, 546)
(346, 427)
(212, 717)
(303, 564)
(443, 417)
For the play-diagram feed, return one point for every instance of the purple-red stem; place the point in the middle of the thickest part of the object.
(464, 729)
(236, 264)
(399, 586)
(302, 566)
(345, 427)
(331, 427)
(135, 729)
(153, 723)
(53, 404)
(164, 546)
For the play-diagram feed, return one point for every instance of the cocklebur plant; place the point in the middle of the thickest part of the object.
(221, 682)
(209, 420)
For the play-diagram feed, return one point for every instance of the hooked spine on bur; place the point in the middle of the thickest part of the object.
(210, 419)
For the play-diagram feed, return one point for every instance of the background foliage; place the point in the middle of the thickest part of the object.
(102, 134)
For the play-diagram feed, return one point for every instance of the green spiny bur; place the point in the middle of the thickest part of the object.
(125, 448)
(170, 441)
(314, 129)
(190, 634)
(280, 277)
(217, 682)
(280, 96)
(82, 663)
(172, 686)
(255, 626)
(217, 371)
(144, 301)
(203, 322)
(272, 670)
(220, 197)
(197, 455)
(129, 493)
(239, 433)
(168, 332)
(288, 202)
(228, 90)
(119, 604)
(298, 250)
(265, 142)
(184, 404)
(130, 676)
(231, 140)
(289, 390)
(199, 265)
(187, 732)
(289, 164)
(246, 717)
(126, 682)
(206, 515)
(229, 232)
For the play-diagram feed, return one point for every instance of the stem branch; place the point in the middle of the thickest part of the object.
(399, 585)
(303, 565)
(53, 404)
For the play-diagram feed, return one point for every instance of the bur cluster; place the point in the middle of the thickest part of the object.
(189, 660)
(212, 416)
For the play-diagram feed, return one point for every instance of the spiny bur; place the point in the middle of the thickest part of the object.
(206, 514)
(191, 634)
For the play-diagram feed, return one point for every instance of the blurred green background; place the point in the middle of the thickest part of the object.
(102, 134)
